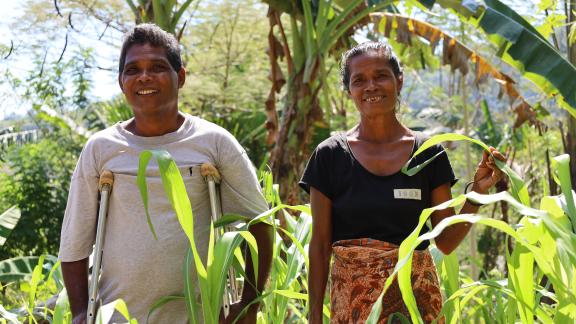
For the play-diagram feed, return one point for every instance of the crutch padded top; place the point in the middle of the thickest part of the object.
(106, 178)
(208, 170)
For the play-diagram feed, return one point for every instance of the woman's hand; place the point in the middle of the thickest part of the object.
(487, 174)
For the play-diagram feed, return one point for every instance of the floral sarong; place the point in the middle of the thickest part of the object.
(359, 271)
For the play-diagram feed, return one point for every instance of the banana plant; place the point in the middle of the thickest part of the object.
(8, 220)
(520, 45)
(164, 13)
(456, 54)
(317, 30)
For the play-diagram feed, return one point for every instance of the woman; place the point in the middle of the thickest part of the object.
(363, 206)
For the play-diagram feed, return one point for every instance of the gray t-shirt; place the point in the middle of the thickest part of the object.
(135, 267)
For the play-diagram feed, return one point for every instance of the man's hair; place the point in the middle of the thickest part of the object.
(382, 49)
(155, 36)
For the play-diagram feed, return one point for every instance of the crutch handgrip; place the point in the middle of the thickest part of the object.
(106, 178)
(208, 170)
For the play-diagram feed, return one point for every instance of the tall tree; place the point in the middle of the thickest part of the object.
(164, 13)
(317, 30)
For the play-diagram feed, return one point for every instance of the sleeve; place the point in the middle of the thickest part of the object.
(440, 171)
(79, 224)
(240, 189)
(317, 172)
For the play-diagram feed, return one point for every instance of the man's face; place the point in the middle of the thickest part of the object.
(148, 80)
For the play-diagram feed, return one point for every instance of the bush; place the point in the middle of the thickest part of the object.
(37, 180)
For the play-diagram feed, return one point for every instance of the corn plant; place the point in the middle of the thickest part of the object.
(545, 246)
(221, 253)
(38, 278)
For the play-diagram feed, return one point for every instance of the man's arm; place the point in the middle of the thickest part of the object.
(263, 233)
(241, 194)
(76, 281)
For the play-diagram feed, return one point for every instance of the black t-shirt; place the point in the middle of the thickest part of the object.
(365, 205)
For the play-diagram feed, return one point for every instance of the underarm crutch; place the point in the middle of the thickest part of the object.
(212, 177)
(105, 187)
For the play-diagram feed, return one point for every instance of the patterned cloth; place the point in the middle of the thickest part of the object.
(359, 271)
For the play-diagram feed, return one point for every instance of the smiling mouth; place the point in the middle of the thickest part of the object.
(373, 99)
(146, 92)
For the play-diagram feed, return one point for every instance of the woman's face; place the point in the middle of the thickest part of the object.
(373, 86)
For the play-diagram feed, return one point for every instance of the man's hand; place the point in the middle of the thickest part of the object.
(236, 309)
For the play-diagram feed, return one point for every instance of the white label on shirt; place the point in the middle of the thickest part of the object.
(407, 194)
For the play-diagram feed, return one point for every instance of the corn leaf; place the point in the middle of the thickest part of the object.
(105, 312)
(62, 308)
(161, 302)
(35, 281)
(562, 165)
(404, 266)
(518, 187)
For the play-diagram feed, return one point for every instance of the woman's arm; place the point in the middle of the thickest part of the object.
(452, 235)
(319, 252)
(486, 176)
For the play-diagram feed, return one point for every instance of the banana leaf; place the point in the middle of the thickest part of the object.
(21, 268)
(523, 47)
(8, 220)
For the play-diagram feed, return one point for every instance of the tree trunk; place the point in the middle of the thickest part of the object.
(291, 150)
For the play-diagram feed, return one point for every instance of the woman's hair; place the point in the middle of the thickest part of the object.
(155, 36)
(382, 49)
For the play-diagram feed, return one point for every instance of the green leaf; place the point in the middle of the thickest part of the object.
(561, 164)
(105, 312)
(161, 302)
(291, 294)
(518, 187)
(62, 308)
(35, 281)
(404, 266)
(21, 268)
(8, 220)
(189, 291)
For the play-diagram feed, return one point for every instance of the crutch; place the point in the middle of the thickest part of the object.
(213, 178)
(105, 187)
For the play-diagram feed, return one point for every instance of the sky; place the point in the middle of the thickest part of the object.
(104, 83)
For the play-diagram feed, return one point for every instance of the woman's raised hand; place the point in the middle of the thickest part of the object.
(487, 173)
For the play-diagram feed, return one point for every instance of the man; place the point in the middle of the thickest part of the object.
(135, 266)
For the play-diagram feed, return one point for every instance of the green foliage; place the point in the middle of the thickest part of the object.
(545, 238)
(38, 280)
(518, 43)
(21, 268)
(38, 183)
(212, 272)
(165, 14)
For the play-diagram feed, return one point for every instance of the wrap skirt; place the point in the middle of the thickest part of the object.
(359, 271)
